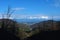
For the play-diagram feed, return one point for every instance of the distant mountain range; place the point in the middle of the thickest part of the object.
(31, 21)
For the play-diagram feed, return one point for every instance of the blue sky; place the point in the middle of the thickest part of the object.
(32, 7)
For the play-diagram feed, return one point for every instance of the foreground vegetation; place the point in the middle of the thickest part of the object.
(23, 31)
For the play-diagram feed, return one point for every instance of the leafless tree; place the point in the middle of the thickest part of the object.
(6, 22)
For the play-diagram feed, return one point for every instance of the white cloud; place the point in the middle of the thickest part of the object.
(19, 16)
(34, 17)
(30, 16)
(18, 8)
(44, 17)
